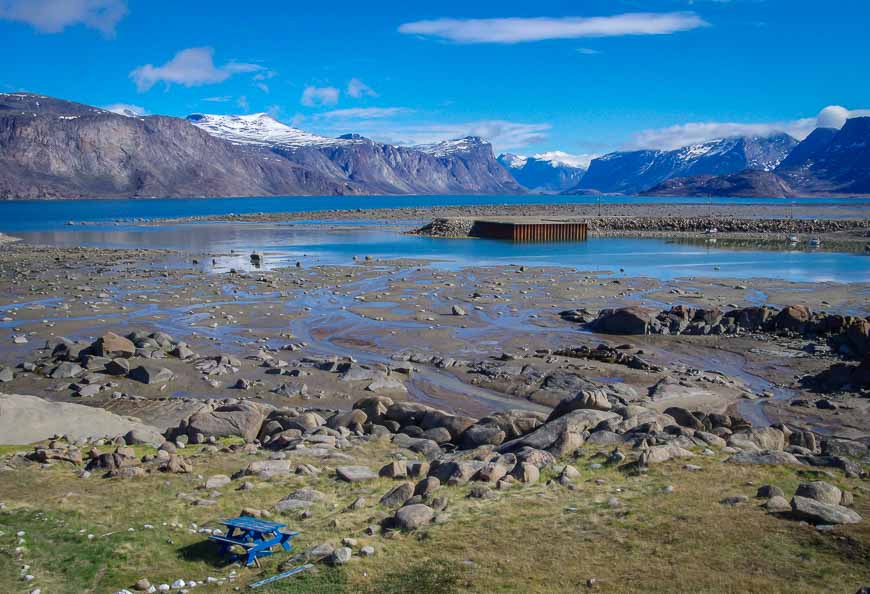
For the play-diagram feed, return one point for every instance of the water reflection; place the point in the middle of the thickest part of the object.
(283, 245)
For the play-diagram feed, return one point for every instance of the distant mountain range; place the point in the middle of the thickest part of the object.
(546, 172)
(631, 172)
(827, 162)
(50, 148)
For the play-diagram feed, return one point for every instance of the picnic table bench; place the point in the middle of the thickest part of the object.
(256, 536)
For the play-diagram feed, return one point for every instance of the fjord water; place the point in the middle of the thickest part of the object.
(313, 242)
(25, 215)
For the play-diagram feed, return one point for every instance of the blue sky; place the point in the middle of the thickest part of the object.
(582, 77)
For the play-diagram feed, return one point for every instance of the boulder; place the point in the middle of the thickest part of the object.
(305, 422)
(586, 399)
(395, 469)
(241, 419)
(817, 512)
(375, 407)
(398, 495)
(526, 473)
(407, 413)
(217, 481)
(118, 366)
(625, 320)
(301, 499)
(66, 370)
(561, 435)
(176, 465)
(151, 374)
(352, 419)
(820, 491)
(663, 453)
(515, 423)
(684, 418)
(412, 517)
(269, 468)
(454, 424)
(770, 457)
(29, 419)
(792, 317)
(777, 505)
(144, 436)
(427, 486)
(355, 474)
(764, 438)
(111, 345)
(456, 472)
(480, 434)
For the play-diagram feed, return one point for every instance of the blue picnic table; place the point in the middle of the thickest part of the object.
(256, 536)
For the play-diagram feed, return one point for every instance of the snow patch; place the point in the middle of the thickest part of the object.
(260, 129)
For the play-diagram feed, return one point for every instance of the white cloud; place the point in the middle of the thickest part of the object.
(53, 16)
(221, 99)
(834, 116)
(673, 137)
(357, 88)
(190, 67)
(243, 104)
(365, 113)
(314, 96)
(262, 86)
(517, 30)
(567, 158)
(126, 109)
(588, 51)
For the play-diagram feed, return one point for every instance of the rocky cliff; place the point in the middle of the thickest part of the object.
(50, 148)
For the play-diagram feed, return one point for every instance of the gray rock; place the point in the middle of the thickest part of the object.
(340, 556)
(355, 474)
(562, 435)
(777, 505)
(398, 495)
(822, 513)
(763, 457)
(150, 374)
(242, 419)
(412, 517)
(217, 481)
(427, 486)
(767, 491)
(820, 491)
(66, 370)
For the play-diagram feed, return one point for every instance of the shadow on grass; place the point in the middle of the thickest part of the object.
(205, 552)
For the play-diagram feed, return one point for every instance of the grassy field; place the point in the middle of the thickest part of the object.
(535, 538)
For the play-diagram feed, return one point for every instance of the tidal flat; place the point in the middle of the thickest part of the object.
(309, 359)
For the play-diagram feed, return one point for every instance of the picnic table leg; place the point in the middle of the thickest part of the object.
(285, 542)
(225, 546)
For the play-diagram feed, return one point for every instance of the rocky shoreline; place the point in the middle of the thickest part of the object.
(855, 231)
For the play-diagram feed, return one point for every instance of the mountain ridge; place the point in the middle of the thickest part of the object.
(51, 148)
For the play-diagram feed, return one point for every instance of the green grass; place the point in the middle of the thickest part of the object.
(534, 538)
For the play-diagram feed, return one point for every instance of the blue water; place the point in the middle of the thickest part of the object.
(314, 244)
(21, 215)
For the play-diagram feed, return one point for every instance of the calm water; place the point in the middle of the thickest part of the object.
(20, 215)
(323, 244)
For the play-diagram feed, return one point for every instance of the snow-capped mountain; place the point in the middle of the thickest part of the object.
(634, 171)
(259, 129)
(211, 155)
(828, 161)
(552, 171)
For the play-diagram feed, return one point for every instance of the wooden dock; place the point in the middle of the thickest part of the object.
(529, 229)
